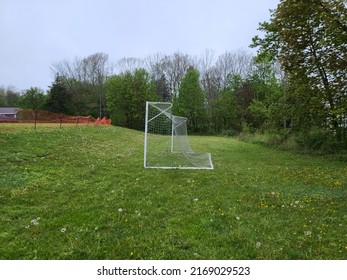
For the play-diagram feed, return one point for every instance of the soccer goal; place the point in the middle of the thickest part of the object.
(166, 141)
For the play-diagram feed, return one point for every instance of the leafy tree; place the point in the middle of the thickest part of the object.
(224, 114)
(309, 39)
(33, 98)
(126, 96)
(267, 89)
(190, 101)
(9, 97)
(2, 97)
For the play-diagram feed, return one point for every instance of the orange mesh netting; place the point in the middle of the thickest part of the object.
(28, 116)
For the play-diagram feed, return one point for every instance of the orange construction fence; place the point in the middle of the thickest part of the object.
(103, 121)
(28, 116)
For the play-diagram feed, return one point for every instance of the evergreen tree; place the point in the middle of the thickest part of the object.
(163, 90)
(58, 100)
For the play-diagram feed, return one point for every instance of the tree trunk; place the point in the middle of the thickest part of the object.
(35, 118)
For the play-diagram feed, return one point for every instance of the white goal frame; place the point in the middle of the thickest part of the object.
(176, 152)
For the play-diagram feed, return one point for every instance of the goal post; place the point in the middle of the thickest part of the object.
(166, 142)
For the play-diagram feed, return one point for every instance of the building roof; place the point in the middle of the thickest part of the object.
(8, 110)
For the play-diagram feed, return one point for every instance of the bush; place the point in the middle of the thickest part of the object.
(261, 138)
(230, 132)
(290, 143)
(318, 140)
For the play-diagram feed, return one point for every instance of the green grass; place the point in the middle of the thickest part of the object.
(82, 193)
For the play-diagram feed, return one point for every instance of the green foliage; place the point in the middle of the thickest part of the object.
(309, 38)
(84, 80)
(84, 97)
(2, 97)
(82, 193)
(259, 113)
(163, 90)
(318, 140)
(59, 100)
(246, 102)
(9, 97)
(33, 98)
(126, 96)
(190, 102)
(224, 114)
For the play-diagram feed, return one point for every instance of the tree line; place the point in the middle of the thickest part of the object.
(295, 86)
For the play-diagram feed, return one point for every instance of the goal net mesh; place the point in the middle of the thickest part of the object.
(167, 143)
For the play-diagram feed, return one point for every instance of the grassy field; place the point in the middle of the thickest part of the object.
(82, 193)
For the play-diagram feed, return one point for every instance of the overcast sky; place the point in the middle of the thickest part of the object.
(36, 33)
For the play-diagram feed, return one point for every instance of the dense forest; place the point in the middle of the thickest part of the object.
(293, 90)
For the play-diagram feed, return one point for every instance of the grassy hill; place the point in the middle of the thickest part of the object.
(82, 193)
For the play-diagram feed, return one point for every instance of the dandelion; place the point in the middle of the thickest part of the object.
(257, 245)
(93, 167)
(307, 232)
(138, 213)
(120, 210)
(238, 218)
(35, 222)
(63, 230)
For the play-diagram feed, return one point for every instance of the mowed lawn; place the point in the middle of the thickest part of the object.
(82, 193)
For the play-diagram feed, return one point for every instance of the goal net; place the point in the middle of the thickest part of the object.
(166, 141)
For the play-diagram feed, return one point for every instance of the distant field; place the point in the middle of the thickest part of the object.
(82, 193)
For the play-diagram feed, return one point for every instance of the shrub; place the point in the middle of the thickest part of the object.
(230, 132)
(317, 140)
